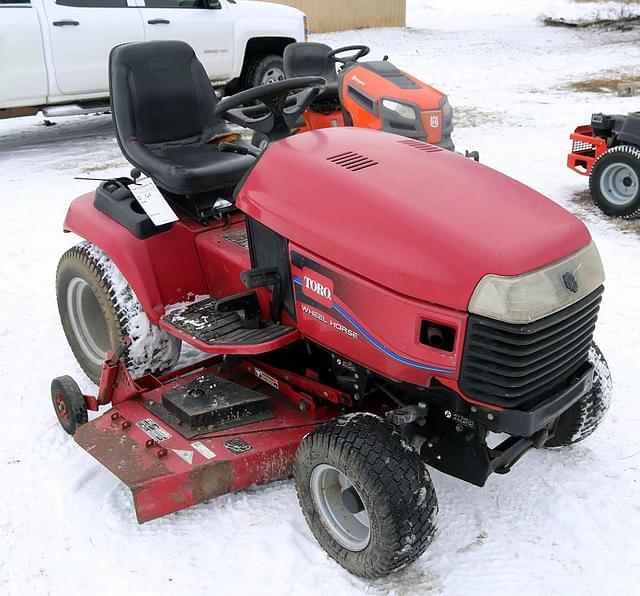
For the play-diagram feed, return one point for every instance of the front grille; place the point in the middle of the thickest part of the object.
(581, 146)
(514, 365)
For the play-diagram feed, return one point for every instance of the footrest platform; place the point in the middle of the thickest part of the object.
(200, 325)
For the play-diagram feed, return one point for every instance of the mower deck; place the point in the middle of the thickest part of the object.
(202, 326)
(197, 435)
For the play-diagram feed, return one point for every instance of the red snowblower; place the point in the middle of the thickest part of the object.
(359, 315)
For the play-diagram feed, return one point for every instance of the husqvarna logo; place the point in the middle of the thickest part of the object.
(434, 121)
(317, 287)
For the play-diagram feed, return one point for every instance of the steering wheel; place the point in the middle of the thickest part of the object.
(357, 52)
(272, 109)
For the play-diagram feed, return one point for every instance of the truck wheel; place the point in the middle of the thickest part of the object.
(69, 404)
(615, 181)
(366, 495)
(263, 70)
(98, 309)
(582, 419)
(260, 140)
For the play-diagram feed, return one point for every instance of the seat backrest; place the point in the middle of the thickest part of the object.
(309, 59)
(160, 93)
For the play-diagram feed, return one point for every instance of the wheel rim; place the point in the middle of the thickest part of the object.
(340, 507)
(273, 75)
(87, 320)
(61, 408)
(619, 184)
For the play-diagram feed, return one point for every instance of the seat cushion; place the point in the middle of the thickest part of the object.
(190, 169)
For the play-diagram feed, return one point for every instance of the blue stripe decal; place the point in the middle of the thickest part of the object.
(377, 344)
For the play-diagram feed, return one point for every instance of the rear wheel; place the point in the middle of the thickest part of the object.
(98, 309)
(263, 70)
(585, 416)
(615, 181)
(366, 495)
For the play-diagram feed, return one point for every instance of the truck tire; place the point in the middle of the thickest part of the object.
(263, 70)
(615, 181)
(260, 140)
(98, 309)
(366, 495)
(584, 417)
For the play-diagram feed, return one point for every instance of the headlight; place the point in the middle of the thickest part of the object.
(305, 21)
(532, 296)
(403, 110)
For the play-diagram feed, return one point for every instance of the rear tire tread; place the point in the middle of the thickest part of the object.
(153, 350)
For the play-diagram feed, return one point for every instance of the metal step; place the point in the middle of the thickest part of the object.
(226, 332)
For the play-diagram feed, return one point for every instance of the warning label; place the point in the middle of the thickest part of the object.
(151, 428)
(268, 379)
(184, 454)
(203, 450)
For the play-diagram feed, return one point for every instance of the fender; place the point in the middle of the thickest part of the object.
(161, 270)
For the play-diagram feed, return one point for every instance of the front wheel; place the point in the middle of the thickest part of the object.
(615, 181)
(586, 415)
(366, 495)
(68, 403)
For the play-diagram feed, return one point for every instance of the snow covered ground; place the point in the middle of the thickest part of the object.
(562, 522)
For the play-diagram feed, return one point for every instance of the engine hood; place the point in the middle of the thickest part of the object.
(421, 221)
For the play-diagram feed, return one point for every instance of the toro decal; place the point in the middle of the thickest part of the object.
(320, 289)
(317, 287)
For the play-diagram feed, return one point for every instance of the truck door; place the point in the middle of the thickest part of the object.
(206, 25)
(82, 33)
(23, 74)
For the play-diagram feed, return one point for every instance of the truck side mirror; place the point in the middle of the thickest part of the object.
(212, 4)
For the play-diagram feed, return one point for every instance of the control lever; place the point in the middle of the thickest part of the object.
(240, 149)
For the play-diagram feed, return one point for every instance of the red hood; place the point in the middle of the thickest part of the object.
(422, 221)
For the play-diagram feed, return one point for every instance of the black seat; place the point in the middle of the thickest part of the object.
(163, 104)
(310, 59)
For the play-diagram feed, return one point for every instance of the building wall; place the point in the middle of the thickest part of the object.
(338, 15)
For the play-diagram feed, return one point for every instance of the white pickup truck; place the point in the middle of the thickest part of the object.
(54, 53)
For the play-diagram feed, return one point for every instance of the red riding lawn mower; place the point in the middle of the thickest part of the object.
(608, 151)
(373, 94)
(359, 315)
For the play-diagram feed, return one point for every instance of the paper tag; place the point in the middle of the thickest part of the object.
(153, 203)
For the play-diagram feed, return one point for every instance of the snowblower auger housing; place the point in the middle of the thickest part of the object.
(362, 315)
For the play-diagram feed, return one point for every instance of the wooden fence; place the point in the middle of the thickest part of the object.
(338, 15)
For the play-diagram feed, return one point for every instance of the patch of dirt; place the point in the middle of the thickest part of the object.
(587, 210)
(608, 83)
